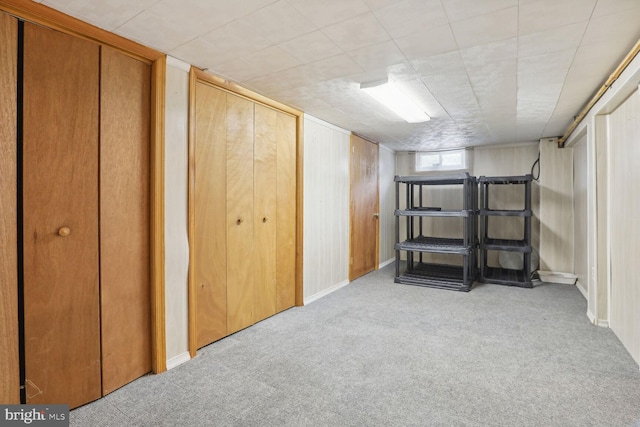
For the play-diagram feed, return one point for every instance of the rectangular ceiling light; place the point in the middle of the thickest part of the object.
(391, 96)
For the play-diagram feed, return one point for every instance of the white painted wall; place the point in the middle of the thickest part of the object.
(580, 233)
(386, 173)
(326, 208)
(175, 228)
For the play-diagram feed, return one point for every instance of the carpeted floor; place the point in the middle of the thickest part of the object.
(377, 353)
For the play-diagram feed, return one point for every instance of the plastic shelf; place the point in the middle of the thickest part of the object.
(432, 212)
(525, 213)
(442, 276)
(505, 245)
(504, 276)
(438, 245)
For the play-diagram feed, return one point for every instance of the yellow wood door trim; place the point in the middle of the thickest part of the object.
(158, 325)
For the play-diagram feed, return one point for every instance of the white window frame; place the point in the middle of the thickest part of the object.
(439, 160)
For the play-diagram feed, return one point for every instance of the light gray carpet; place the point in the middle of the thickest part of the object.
(377, 353)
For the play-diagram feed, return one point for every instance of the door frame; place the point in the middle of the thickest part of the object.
(351, 218)
(198, 76)
(42, 15)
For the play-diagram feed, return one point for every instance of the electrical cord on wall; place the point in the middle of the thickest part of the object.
(536, 178)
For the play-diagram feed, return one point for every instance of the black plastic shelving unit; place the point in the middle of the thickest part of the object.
(437, 275)
(499, 275)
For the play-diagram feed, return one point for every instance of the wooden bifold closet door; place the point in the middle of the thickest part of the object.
(244, 212)
(86, 218)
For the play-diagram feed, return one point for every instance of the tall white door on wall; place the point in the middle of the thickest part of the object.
(624, 223)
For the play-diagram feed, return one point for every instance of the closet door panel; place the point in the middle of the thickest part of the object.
(265, 218)
(124, 219)
(60, 193)
(9, 359)
(286, 212)
(240, 262)
(210, 214)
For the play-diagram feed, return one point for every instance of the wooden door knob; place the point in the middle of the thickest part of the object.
(64, 231)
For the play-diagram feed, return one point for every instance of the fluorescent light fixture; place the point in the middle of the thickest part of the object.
(391, 96)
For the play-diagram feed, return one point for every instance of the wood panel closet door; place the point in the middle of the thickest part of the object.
(286, 207)
(60, 193)
(9, 357)
(124, 219)
(240, 230)
(210, 214)
(364, 207)
(265, 218)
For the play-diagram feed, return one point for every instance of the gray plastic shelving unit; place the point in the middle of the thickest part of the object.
(499, 275)
(415, 243)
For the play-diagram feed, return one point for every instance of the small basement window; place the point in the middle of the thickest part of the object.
(441, 160)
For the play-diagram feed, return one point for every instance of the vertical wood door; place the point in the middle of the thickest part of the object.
(9, 358)
(265, 220)
(240, 209)
(124, 218)
(210, 214)
(286, 211)
(60, 193)
(364, 208)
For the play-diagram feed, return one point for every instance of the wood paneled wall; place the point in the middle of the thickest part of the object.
(386, 173)
(556, 208)
(9, 354)
(326, 208)
(581, 256)
(624, 223)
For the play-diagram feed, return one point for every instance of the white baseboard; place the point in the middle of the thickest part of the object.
(592, 318)
(178, 360)
(387, 262)
(325, 292)
(603, 322)
(582, 290)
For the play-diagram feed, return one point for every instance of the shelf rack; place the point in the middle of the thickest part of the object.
(431, 274)
(499, 275)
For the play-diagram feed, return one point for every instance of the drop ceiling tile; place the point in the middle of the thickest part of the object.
(334, 67)
(235, 40)
(379, 4)
(311, 47)
(496, 92)
(357, 32)
(483, 29)
(268, 61)
(328, 12)
(560, 38)
(108, 15)
(199, 16)
(409, 16)
(279, 22)
(541, 15)
(462, 9)
(202, 54)
(491, 60)
(377, 56)
(237, 70)
(549, 67)
(439, 64)
(608, 7)
(427, 42)
(155, 31)
(619, 26)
